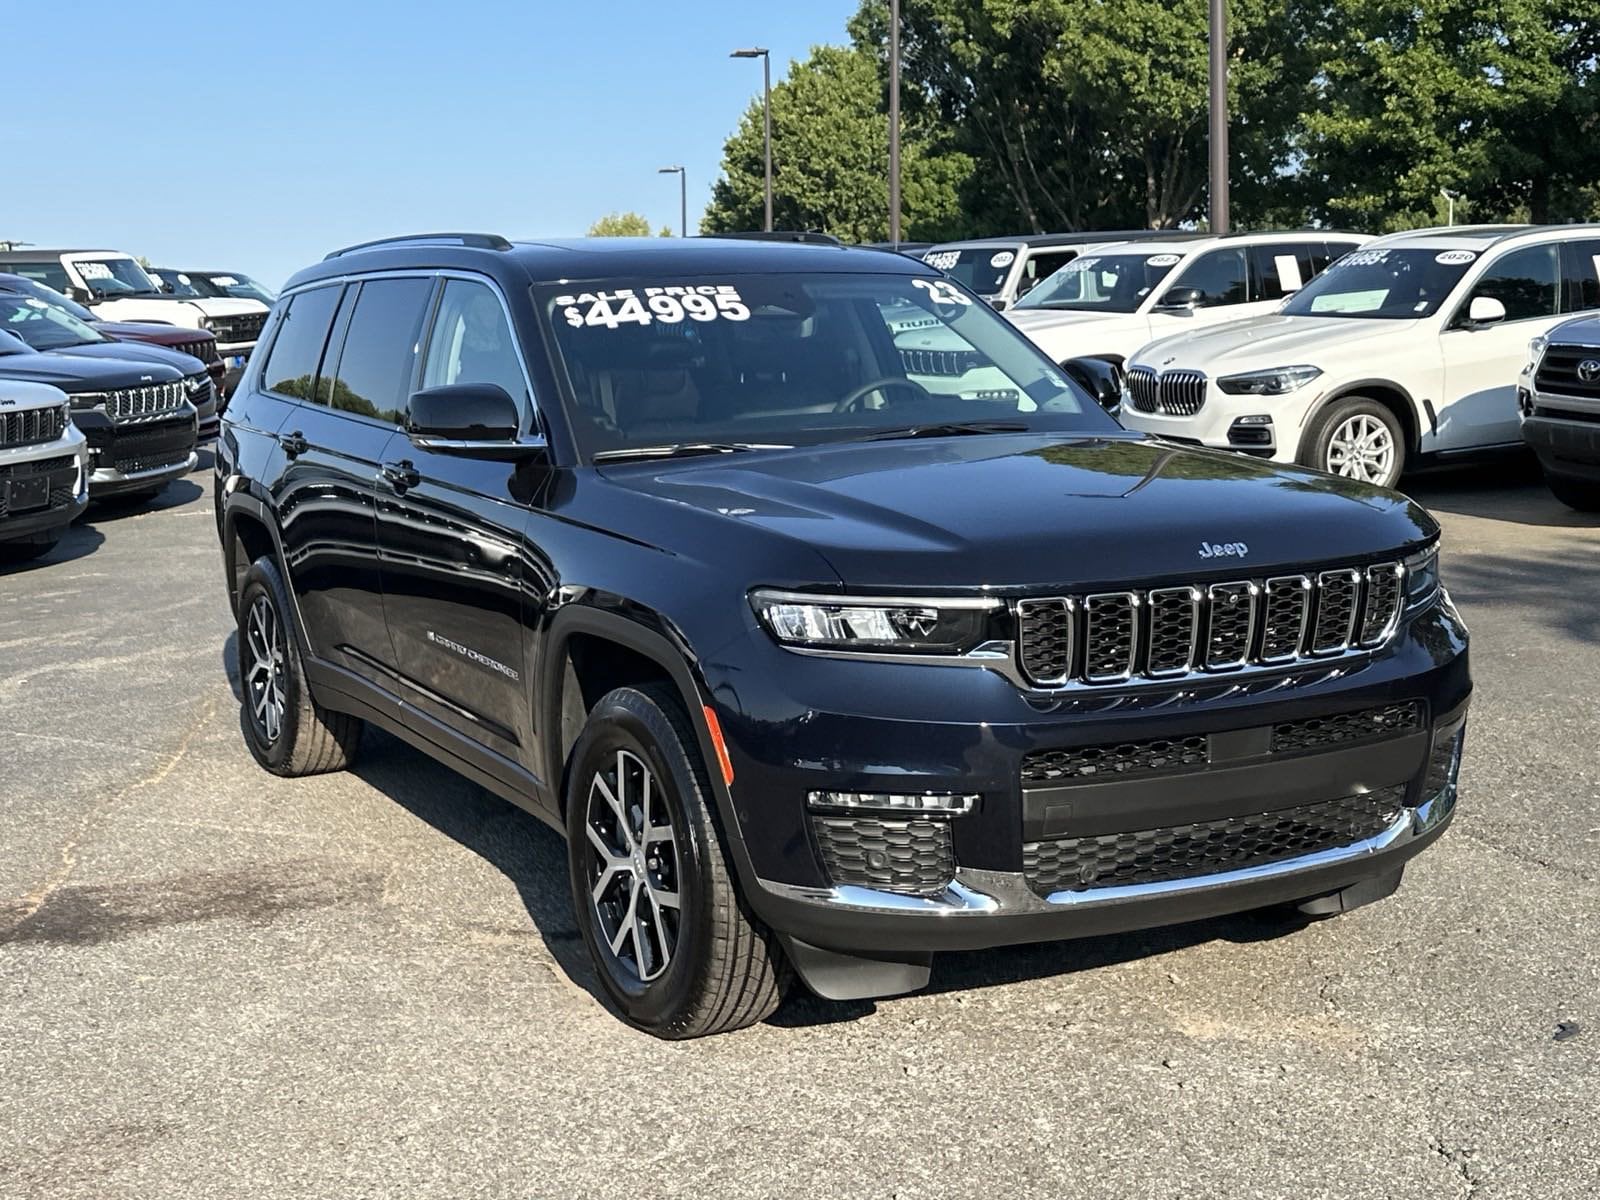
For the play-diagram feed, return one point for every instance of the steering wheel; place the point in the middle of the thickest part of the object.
(866, 389)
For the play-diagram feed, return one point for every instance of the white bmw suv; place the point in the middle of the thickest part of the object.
(1408, 347)
(1114, 298)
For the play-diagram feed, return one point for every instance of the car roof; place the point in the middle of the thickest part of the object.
(1082, 238)
(1480, 237)
(558, 260)
(35, 254)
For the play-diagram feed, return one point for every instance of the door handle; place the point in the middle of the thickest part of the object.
(400, 476)
(294, 444)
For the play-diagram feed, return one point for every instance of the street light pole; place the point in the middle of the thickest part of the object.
(1219, 116)
(1450, 200)
(766, 118)
(894, 122)
(683, 197)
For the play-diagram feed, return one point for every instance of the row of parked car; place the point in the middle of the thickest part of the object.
(1355, 355)
(110, 375)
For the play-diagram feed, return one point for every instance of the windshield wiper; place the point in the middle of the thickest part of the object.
(685, 450)
(947, 429)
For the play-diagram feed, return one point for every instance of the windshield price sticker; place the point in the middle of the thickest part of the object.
(1454, 258)
(941, 292)
(33, 303)
(94, 270)
(1161, 260)
(1363, 258)
(942, 260)
(1079, 264)
(667, 304)
(224, 281)
(1004, 259)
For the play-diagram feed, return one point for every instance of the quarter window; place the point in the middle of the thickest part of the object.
(291, 368)
(379, 359)
(1526, 281)
(472, 342)
(50, 273)
(1218, 276)
(1280, 269)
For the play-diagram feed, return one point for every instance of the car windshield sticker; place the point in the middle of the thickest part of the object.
(1363, 258)
(1004, 259)
(668, 304)
(93, 270)
(223, 281)
(1161, 260)
(942, 260)
(1288, 272)
(1454, 258)
(32, 303)
(1079, 264)
(941, 292)
(183, 279)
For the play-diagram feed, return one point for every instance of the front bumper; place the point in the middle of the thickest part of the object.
(1565, 446)
(796, 735)
(1269, 427)
(61, 462)
(140, 455)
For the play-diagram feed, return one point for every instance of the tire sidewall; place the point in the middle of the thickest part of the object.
(1342, 410)
(263, 580)
(629, 720)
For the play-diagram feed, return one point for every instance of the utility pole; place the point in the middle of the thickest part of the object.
(1219, 116)
(894, 122)
(766, 115)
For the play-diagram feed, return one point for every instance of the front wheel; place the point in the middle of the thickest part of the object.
(1581, 494)
(677, 948)
(1358, 438)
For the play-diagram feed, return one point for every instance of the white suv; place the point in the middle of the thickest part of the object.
(43, 484)
(117, 288)
(1114, 298)
(1409, 346)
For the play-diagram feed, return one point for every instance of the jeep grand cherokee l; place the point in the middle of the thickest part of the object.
(817, 663)
(42, 485)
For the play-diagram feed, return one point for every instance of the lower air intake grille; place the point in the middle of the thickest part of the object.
(1119, 760)
(1207, 847)
(1368, 725)
(911, 856)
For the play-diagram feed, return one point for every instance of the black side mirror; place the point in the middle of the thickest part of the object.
(998, 303)
(81, 295)
(1101, 379)
(1181, 299)
(473, 420)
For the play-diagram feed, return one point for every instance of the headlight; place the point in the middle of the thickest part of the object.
(1536, 349)
(205, 323)
(1279, 381)
(1422, 577)
(870, 624)
(82, 401)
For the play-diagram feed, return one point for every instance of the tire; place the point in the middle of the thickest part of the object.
(1344, 421)
(288, 732)
(1580, 494)
(707, 964)
(27, 549)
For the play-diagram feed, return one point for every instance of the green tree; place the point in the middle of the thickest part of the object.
(627, 224)
(830, 152)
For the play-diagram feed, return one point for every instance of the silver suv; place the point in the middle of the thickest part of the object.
(42, 481)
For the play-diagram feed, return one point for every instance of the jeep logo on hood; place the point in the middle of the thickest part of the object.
(1223, 549)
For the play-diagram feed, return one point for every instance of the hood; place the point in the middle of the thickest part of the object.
(15, 396)
(1028, 511)
(1031, 320)
(1268, 341)
(223, 306)
(134, 352)
(153, 332)
(74, 374)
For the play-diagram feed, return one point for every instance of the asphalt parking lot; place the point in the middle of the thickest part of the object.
(217, 983)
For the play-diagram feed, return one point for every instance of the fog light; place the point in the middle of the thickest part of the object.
(926, 803)
(1253, 430)
(1439, 788)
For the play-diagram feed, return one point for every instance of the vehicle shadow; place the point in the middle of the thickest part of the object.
(1508, 489)
(175, 495)
(1556, 590)
(78, 541)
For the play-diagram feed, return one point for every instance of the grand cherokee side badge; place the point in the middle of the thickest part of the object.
(1223, 549)
(471, 655)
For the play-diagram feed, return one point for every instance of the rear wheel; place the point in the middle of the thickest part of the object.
(677, 948)
(1581, 494)
(287, 731)
(1358, 438)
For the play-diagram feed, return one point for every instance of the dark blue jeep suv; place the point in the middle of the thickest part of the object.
(831, 623)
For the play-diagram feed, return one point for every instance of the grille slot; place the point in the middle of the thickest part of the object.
(138, 403)
(1343, 729)
(32, 426)
(1172, 632)
(1122, 759)
(1207, 847)
(912, 856)
(1180, 393)
(939, 362)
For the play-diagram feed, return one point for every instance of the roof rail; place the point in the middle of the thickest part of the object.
(479, 241)
(810, 236)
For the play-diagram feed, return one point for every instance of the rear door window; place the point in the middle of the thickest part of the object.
(1219, 277)
(1279, 269)
(47, 271)
(291, 367)
(1526, 281)
(378, 362)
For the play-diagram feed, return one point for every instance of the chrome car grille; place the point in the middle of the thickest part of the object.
(32, 426)
(939, 362)
(205, 350)
(1559, 372)
(1178, 393)
(1168, 633)
(244, 328)
(153, 400)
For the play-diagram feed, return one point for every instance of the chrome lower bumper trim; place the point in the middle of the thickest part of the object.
(982, 893)
(110, 475)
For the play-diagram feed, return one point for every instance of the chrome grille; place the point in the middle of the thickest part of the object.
(33, 426)
(1170, 632)
(939, 362)
(1558, 372)
(152, 400)
(205, 351)
(243, 328)
(1180, 393)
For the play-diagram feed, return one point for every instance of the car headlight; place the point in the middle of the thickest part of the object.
(1422, 577)
(83, 401)
(205, 323)
(1536, 349)
(874, 625)
(1279, 381)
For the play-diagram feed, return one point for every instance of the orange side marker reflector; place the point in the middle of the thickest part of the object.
(722, 746)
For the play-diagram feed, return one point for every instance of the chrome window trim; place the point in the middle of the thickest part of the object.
(1253, 590)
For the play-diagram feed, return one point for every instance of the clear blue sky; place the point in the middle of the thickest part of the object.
(256, 137)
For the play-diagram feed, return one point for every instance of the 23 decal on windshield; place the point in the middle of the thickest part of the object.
(668, 304)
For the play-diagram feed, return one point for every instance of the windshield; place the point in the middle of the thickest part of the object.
(789, 360)
(178, 284)
(49, 295)
(41, 326)
(240, 287)
(1398, 284)
(981, 268)
(1117, 283)
(115, 277)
